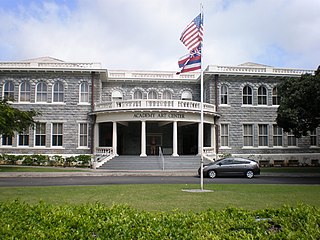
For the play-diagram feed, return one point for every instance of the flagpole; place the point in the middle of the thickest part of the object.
(201, 117)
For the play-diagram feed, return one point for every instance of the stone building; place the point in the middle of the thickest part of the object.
(86, 109)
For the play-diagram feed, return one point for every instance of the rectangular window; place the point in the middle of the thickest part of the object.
(57, 134)
(224, 135)
(23, 139)
(40, 136)
(6, 140)
(247, 135)
(263, 135)
(292, 140)
(83, 134)
(313, 138)
(277, 136)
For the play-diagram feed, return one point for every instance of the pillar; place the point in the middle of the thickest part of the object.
(175, 139)
(96, 138)
(143, 139)
(114, 138)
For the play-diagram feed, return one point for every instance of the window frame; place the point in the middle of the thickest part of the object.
(40, 93)
(186, 95)
(313, 138)
(84, 92)
(57, 134)
(25, 93)
(6, 140)
(136, 93)
(8, 93)
(263, 135)
(275, 97)
(224, 95)
(277, 138)
(40, 136)
(224, 135)
(167, 95)
(83, 137)
(24, 139)
(58, 95)
(248, 137)
(247, 98)
(154, 93)
(262, 96)
(292, 140)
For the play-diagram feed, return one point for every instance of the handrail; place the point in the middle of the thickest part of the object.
(162, 157)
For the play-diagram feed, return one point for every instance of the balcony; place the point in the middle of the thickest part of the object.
(154, 104)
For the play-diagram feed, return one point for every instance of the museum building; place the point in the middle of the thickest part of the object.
(86, 109)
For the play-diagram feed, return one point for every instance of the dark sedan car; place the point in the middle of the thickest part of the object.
(231, 166)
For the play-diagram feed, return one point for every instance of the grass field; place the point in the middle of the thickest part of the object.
(171, 197)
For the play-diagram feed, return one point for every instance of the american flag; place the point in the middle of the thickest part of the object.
(192, 36)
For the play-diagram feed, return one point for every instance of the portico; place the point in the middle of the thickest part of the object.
(176, 132)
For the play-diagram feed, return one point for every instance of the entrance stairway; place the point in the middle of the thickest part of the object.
(186, 162)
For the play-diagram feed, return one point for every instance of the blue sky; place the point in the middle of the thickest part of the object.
(144, 34)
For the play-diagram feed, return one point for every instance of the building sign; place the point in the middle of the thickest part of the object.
(158, 115)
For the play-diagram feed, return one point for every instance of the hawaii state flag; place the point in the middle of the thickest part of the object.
(190, 62)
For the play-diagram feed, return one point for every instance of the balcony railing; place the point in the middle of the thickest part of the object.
(163, 104)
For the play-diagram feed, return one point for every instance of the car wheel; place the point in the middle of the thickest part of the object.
(212, 174)
(249, 174)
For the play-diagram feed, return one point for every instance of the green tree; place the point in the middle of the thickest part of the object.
(14, 120)
(299, 110)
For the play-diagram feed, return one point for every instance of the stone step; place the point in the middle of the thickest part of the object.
(152, 163)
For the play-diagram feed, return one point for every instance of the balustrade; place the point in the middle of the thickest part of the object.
(154, 103)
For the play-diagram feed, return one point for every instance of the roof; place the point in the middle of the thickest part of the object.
(49, 63)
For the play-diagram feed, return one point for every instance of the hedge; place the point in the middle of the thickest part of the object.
(19, 220)
(45, 160)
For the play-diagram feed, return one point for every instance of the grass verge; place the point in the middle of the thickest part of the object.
(170, 197)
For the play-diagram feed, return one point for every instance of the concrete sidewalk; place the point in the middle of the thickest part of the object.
(106, 173)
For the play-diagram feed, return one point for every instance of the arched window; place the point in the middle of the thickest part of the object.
(247, 95)
(167, 95)
(116, 95)
(224, 94)
(41, 92)
(24, 92)
(152, 95)
(262, 95)
(186, 95)
(58, 92)
(137, 94)
(8, 90)
(275, 97)
(84, 92)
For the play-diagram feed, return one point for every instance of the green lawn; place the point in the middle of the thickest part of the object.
(170, 197)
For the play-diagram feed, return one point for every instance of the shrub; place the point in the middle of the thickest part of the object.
(97, 221)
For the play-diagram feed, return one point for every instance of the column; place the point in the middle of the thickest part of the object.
(212, 136)
(213, 140)
(96, 138)
(143, 139)
(199, 138)
(175, 139)
(114, 138)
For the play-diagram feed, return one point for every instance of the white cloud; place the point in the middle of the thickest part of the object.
(143, 34)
